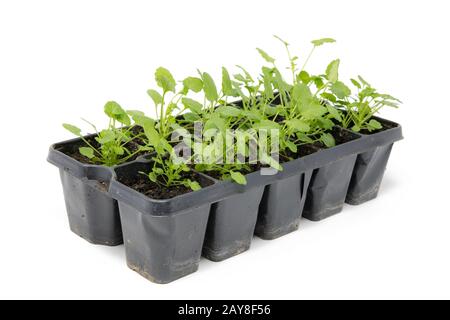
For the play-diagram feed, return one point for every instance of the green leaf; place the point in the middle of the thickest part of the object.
(335, 113)
(215, 122)
(248, 76)
(304, 138)
(328, 96)
(135, 113)
(313, 110)
(191, 117)
(374, 125)
(284, 42)
(301, 92)
(364, 82)
(319, 42)
(227, 85)
(192, 105)
(298, 125)
(152, 176)
(332, 72)
(356, 128)
(143, 121)
(209, 87)
(266, 125)
(75, 130)
(238, 177)
(304, 77)
(292, 146)
(155, 95)
(87, 152)
(105, 136)
(165, 80)
(328, 140)
(114, 110)
(151, 133)
(252, 114)
(194, 185)
(193, 83)
(228, 111)
(356, 83)
(265, 56)
(340, 90)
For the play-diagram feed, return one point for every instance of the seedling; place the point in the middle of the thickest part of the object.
(360, 108)
(168, 170)
(110, 146)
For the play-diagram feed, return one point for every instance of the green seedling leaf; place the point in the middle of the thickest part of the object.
(87, 152)
(135, 113)
(340, 90)
(238, 177)
(284, 42)
(298, 125)
(227, 111)
(227, 85)
(192, 105)
(292, 146)
(215, 122)
(265, 56)
(332, 72)
(114, 110)
(328, 140)
(356, 83)
(191, 117)
(194, 185)
(319, 42)
(364, 82)
(155, 95)
(209, 87)
(329, 96)
(165, 80)
(304, 77)
(193, 84)
(266, 125)
(301, 92)
(75, 130)
(313, 110)
(106, 136)
(374, 125)
(335, 113)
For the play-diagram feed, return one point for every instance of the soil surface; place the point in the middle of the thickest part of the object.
(142, 184)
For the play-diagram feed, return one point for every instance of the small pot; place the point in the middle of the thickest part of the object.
(163, 238)
(371, 165)
(282, 206)
(92, 213)
(231, 225)
(328, 189)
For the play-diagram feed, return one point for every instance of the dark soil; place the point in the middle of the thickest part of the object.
(142, 184)
(302, 151)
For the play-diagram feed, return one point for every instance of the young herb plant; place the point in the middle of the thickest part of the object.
(113, 145)
(167, 170)
(360, 109)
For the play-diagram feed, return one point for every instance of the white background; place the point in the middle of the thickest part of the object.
(62, 60)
